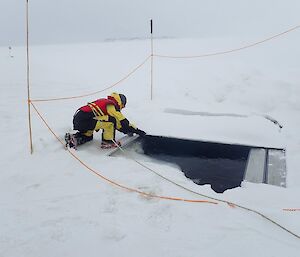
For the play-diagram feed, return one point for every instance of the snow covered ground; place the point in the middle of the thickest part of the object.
(51, 205)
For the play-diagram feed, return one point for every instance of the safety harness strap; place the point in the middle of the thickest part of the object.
(96, 109)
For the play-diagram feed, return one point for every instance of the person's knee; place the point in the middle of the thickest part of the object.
(88, 133)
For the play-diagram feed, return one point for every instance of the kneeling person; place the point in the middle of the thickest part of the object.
(102, 114)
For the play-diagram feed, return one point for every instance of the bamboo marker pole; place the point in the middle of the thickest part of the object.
(28, 78)
(151, 25)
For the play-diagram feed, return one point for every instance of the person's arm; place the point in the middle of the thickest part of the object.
(123, 124)
(111, 110)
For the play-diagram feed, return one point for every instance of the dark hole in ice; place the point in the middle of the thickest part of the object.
(220, 165)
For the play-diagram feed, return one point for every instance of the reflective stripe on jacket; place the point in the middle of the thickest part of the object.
(99, 107)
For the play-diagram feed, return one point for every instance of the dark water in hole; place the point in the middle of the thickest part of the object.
(220, 165)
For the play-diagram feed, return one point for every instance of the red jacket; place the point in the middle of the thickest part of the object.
(102, 104)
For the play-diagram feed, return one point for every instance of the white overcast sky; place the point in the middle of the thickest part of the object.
(60, 21)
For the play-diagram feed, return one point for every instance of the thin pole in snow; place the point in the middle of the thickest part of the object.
(151, 25)
(10, 52)
(28, 78)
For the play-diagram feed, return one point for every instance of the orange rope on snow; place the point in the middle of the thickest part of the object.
(229, 51)
(159, 196)
(94, 93)
(113, 182)
(145, 194)
(230, 204)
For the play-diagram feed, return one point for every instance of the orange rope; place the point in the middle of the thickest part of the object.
(158, 196)
(113, 182)
(229, 51)
(89, 94)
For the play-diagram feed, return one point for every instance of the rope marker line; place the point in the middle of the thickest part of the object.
(157, 196)
(94, 93)
(113, 182)
(229, 51)
(230, 204)
(166, 197)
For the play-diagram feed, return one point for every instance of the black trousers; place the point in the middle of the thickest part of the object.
(84, 121)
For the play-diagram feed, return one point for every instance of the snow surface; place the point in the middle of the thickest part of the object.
(51, 205)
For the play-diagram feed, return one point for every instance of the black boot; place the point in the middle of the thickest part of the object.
(82, 139)
(73, 140)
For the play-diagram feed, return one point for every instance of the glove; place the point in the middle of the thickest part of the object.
(140, 132)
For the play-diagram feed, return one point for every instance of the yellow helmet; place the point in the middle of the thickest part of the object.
(120, 98)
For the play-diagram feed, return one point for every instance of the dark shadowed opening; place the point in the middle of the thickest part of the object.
(220, 165)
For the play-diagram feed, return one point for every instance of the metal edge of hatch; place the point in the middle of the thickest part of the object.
(266, 166)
